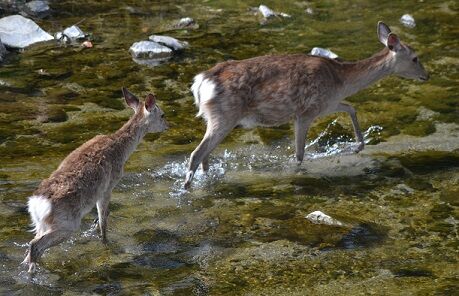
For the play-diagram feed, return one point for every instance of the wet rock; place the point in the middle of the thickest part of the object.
(169, 42)
(72, 33)
(266, 11)
(186, 23)
(408, 21)
(318, 217)
(322, 52)
(37, 8)
(402, 189)
(17, 31)
(150, 50)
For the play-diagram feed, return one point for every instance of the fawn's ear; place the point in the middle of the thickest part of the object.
(130, 99)
(150, 102)
(393, 43)
(383, 32)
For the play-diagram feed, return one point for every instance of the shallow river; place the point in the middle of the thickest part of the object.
(241, 230)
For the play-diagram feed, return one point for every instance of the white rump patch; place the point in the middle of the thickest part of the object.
(203, 90)
(39, 209)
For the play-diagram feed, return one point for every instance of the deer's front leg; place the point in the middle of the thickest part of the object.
(302, 123)
(358, 133)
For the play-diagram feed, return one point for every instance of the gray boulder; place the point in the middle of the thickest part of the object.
(150, 50)
(169, 42)
(17, 31)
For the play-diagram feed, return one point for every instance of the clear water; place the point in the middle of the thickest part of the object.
(241, 230)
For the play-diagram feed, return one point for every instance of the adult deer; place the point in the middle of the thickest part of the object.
(86, 178)
(271, 90)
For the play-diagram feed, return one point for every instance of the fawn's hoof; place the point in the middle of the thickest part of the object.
(359, 148)
(32, 267)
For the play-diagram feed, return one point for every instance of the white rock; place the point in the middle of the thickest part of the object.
(318, 217)
(149, 50)
(169, 42)
(185, 22)
(74, 32)
(283, 14)
(408, 21)
(19, 32)
(322, 52)
(266, 11)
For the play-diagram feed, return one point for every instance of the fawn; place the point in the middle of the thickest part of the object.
(271, 90)
(86, 177)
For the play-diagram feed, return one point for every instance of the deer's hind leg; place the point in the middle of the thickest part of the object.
(39, 245)
(358, 133)
(219, 125)
(302, 123)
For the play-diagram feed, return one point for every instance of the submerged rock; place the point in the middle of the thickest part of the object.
(185, 23)
(37, 8)
(150, 50)
(408, 21)
(317, 217)
(169, 42)
(19, 32)
(322, 52)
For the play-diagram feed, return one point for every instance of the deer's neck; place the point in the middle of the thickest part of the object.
(129, 136)
(361, 74)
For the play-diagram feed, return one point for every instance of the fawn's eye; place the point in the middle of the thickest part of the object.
(162, 115)
(415, 60)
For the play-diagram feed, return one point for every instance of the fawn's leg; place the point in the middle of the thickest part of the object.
(358, 133)
(103, 211)
(302, 123)
(215, 133)
(39, 245)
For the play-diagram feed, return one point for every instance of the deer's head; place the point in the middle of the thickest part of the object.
(150, 115)
(406, 62)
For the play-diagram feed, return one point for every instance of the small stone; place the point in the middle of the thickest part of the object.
(19, 32)
(87, 44)
(285, 15)
(149, 50)
(266, 11)
(408, 21)
(169, 42)
(74, 33)
(185, 22)
(317, 217)
(322, 52)
(309, 11)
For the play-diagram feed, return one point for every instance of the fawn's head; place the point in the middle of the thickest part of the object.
(407, 63)
(151, 115)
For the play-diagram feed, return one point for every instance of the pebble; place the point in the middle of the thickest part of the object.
(408, 21)
(318, 217)
(322, 52)
(149, 50)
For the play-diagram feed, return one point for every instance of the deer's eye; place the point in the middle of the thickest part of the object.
(415, 60)
(162, 115)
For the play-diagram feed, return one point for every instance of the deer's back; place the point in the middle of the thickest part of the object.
(273, 88)
(85, 172)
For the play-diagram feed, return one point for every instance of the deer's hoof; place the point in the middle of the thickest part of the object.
(189, 177)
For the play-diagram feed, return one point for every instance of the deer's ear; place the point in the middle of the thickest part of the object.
(383, 32)
(130, 99)
(393, 43)
(150, 102)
